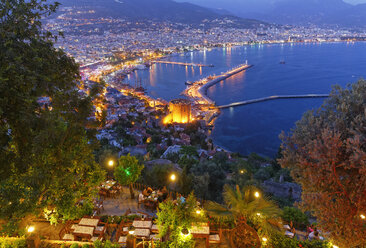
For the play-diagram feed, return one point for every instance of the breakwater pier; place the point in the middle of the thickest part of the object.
(269, 98)
(179, 63)
(204, 88)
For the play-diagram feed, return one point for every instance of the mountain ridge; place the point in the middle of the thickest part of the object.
(157, 10)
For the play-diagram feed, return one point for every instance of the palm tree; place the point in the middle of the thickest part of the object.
(245, 206)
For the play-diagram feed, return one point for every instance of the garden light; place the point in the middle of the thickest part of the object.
(185, 232)
(30, 229)
(111, 163)
(131, 230)
(173, 177)
(256, 194)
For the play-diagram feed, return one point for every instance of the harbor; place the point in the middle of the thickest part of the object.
(179, 63)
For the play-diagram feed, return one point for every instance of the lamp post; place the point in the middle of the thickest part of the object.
(256, 194)
(131, 239)
(110, 164)
(173, 177)
(33, 239)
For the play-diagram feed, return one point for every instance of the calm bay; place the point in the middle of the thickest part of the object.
(310, 68)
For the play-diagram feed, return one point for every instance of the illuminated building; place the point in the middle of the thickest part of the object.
(179, 112)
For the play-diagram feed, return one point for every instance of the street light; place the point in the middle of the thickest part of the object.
(30, 229)
(111, 163)
(362, 216)
(256, 194)
(198, 211)
(264, 239)
(173, 177)
(241, 171)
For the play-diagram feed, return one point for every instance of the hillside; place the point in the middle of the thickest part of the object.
(156, 10)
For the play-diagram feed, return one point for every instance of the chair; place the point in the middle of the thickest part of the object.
(154, 229)
(215, 237)
(68, 237)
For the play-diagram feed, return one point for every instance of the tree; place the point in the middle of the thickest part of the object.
(46, 155)
(326, 154)
(244, 207)
(174, 218)
(128, 171)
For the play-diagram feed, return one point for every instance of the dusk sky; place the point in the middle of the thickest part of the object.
(225, 1)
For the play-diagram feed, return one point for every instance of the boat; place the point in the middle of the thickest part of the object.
(188, 83)
(282, 62)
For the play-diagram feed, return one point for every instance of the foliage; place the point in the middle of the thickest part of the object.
(244, 207)
(326, 154)
(190, 151)
(107, 244)
(173, 218)
(128, 171)
(282, 241)
(74, 245)
(209, 178)
(6, 242)
(298, 218)
(157, 175)
(46, 157)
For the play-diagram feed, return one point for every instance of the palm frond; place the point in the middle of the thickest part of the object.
(218, 211)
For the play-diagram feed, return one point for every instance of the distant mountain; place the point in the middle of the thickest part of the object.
(320, 12)
(157, 10)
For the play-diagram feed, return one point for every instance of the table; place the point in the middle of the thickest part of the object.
(142, 224)
(84, 232)
(202, 230)
(145, 233)
(89, 222)
(108, 184)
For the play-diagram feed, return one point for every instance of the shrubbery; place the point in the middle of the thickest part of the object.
(6, 242)
(298, 218)
(281, 241)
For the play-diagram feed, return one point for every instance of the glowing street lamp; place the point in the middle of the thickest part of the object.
(264, 239)
(258, 214)
(198, 212)
(241, 171)
(30, 229)
(334, 246)
(110, 163)
(256, 194)
(362, 216)
(173, 177)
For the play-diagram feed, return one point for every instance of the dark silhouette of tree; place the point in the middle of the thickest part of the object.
(46, 152)
(326, 154)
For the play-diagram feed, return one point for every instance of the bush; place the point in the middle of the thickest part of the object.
(281, 241)
(12, 242)
(298, 218)
(74, 246)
